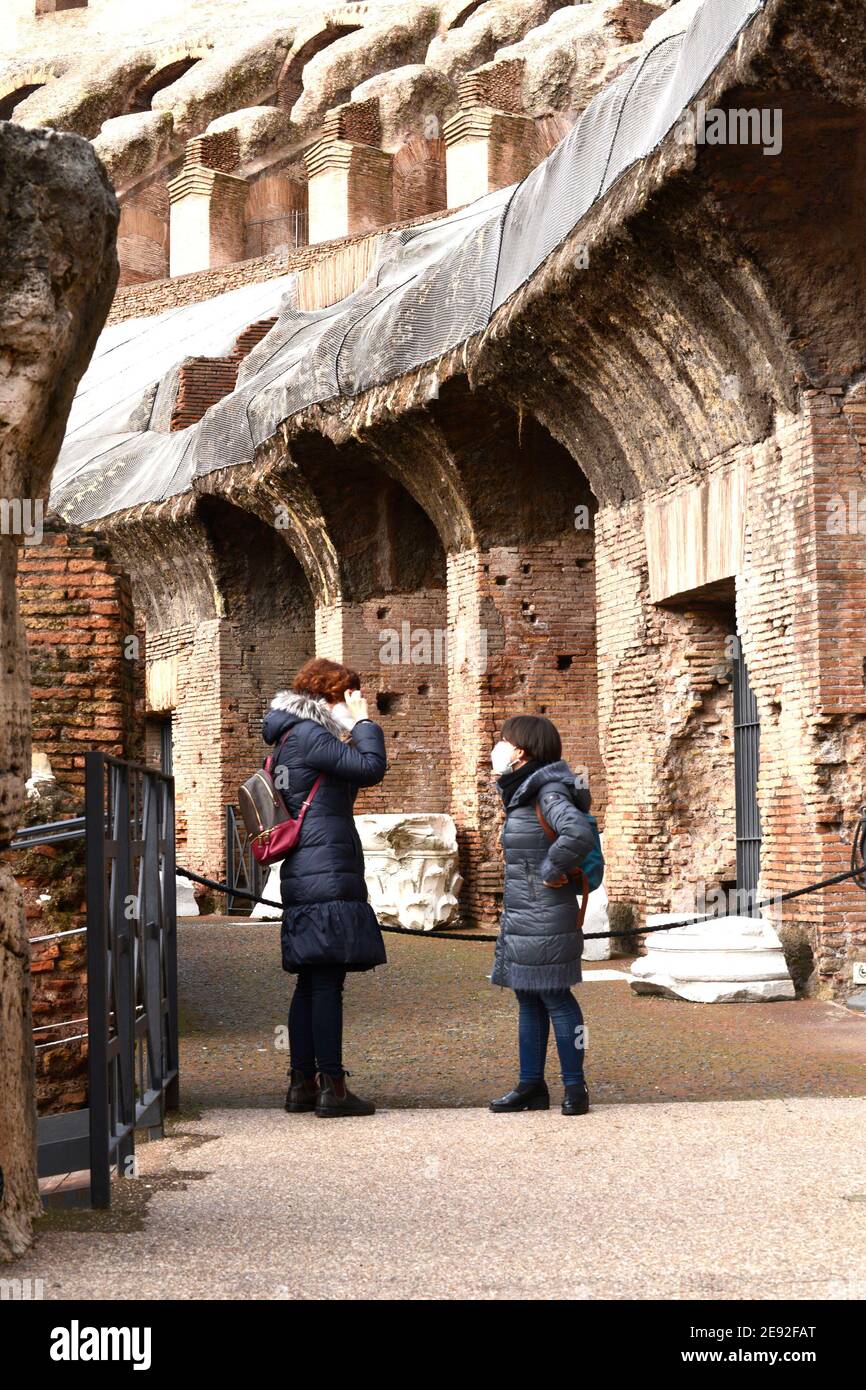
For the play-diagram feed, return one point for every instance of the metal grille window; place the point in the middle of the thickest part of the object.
(166, 756)
(747, 735)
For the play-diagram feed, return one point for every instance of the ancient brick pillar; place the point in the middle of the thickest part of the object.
(207, 206)
(522, 622)
(350, 177)
(486, 150)
(489, 143)
(801, 616)
(77, 610)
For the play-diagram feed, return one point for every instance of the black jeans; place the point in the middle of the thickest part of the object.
(316, 1020)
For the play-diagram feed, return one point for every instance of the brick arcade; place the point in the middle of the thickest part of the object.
(632, 478)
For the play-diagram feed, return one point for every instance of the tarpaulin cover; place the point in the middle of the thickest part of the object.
(433, 286)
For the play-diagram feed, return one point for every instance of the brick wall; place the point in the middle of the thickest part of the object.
(202, 381)
(142, 235)
(77, 610)
(534, 608)
(142, 300)
(398, 646)
(665, 710)
(419, 178)
(87, 694)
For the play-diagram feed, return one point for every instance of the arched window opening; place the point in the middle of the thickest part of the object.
(8, 103)
(466, 13)
(290, 82)
(158, 81)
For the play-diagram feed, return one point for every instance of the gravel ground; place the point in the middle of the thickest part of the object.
(744, 1178)
(758, 1199)
(430, 1030)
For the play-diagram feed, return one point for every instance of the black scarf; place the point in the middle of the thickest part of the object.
(510, 781)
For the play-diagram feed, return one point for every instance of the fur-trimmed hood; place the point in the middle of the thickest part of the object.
(288, 707)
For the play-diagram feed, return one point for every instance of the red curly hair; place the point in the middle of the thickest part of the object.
(325, 680)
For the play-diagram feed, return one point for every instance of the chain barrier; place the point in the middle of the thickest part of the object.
(857, 873)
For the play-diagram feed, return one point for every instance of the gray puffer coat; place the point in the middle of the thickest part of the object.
(539, 945)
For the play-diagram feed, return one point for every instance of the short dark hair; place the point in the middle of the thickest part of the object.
(537, 736)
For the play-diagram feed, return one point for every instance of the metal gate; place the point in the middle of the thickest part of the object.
(747, 736)
(131, 976)
(242, 869)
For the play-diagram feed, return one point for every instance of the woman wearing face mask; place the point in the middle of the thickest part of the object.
(539, 948)
(323, 730)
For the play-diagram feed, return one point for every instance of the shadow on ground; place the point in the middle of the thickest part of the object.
(429, 1029)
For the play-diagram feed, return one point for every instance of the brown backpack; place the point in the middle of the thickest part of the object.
(273, 832)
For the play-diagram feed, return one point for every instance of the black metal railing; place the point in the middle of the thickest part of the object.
(132, 1031)
(131, 960)
(49, 833)
(242, 869)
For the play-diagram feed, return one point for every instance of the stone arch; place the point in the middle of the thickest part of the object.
(390, 620)
(18, 94)
(521, 591)
(290, 82)
(265, 594)
(168, 71)
(464, 13)
(276, 493)
(225, 610)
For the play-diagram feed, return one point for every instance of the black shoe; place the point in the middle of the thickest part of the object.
(576, 1100)
(335, 1098)
(301, 1095)
(527, 1095)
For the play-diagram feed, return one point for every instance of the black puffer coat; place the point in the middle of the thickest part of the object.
(326, 916)
(539, 945)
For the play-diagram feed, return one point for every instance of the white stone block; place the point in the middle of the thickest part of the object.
(186, 903)
(597, 920)
(411, 868)
(271, 891)
(723, 960)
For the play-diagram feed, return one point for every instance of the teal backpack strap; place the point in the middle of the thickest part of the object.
(577, 876)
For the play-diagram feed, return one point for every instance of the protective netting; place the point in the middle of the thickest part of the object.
(433, 287)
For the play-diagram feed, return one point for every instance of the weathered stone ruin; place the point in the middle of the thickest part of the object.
(633, 483)
(58, 220)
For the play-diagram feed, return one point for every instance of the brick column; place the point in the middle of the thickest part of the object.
(398, 645)
(350, 178)
(77, 610)
(522, 624)
(487, 149)
(207, 207)
(801, 615)
(349, 189)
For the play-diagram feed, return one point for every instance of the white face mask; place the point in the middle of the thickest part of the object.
(503, 757)
(340, 712)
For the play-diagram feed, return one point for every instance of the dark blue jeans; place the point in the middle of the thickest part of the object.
(316, 1020)
(537, 1012)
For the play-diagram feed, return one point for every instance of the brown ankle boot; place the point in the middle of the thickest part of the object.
(301, 1095)
(336, 1099)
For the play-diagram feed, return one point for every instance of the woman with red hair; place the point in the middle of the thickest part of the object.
(322, 730)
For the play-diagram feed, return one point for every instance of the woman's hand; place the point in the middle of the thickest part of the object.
(356, 705)
(557, 882)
